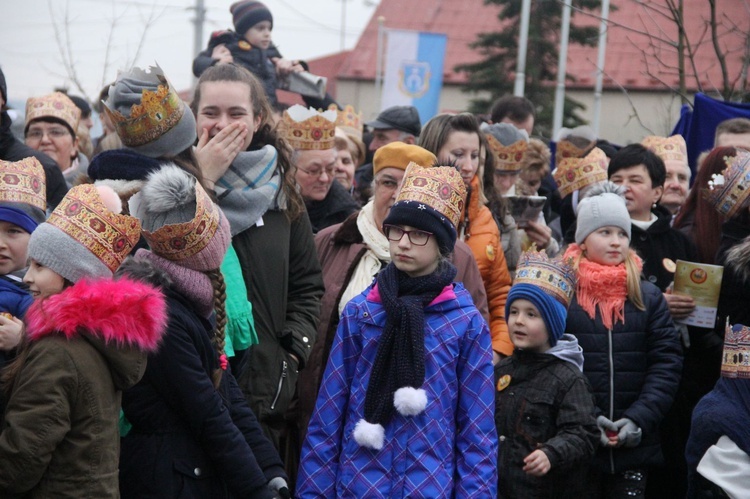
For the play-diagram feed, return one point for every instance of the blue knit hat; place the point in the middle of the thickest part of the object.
(548, 284)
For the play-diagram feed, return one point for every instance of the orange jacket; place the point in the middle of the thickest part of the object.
(483, 237)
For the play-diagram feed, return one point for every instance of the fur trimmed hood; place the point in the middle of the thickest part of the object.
(124, 312)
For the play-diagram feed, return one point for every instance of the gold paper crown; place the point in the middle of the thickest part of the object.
(439, 187)
(348, 120)
(180, 241)
(84, 217)
(667, 148)
(23, 182)
(508, 158)
(55, 105)
(729, 191)
(158, 112)
(566, 149)
(556, 276)
(315, 133)
(573, 174)
(735, 362)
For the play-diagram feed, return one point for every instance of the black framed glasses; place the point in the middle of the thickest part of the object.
(416, 237)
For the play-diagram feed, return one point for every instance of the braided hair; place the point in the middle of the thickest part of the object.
(220, 296)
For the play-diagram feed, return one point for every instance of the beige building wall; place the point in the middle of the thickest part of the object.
(625, 119)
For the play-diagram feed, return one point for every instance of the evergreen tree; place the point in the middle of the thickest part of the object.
(495, 73)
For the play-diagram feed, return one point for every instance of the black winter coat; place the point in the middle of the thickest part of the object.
(634, 371)
(333, 209)
(547, 404)
(190, 440)
(735, 283)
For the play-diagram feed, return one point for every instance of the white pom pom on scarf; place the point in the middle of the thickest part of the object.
(369, 435)
(410, 401)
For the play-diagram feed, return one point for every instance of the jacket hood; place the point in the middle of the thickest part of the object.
(568, 349)
(122, 319)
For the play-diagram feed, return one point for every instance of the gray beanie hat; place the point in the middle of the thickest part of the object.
(505, 133)
(166, 126)
(603, 205)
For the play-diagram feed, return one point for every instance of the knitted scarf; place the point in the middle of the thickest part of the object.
(601, 286)
(399, 361)
(249, 187)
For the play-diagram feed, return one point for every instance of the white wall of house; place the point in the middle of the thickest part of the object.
(624, 119)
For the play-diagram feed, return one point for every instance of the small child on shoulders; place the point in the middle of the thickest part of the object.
(544, 409)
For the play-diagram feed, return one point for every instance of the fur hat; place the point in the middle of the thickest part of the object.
(399, 155)
(180, 222)
(23, 193)
(246, 14)
(148, 115)
(86, 236)
(603, 205)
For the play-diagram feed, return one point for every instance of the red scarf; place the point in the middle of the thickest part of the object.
(602, 286)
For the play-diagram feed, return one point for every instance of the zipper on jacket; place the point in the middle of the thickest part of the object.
(281, 384)
(611, 395)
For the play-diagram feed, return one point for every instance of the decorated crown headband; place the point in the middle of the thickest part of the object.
(729, 190)
(158, 111)
(180, 241)
(23, 182)
(556, 276)
(309, 130)
(667, 148)
(55, 105)
(348, 120)
(573, 174)
(83, 216)
(735, 362)
(440, 188)
(508, 158)
(567, 149)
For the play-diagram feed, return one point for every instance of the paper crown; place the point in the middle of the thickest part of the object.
(508, 158)
(667, 148)
(442, 189)
(157, 113)
(309, 130)
(729, 190)
(348, 120)
(55, 105)
(556, 276)
(83, 216)
(566, 149)
(735, 362)
(178, 242)
(23, 182)
(573, 174)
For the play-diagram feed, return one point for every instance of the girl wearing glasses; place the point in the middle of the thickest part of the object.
(406, 404)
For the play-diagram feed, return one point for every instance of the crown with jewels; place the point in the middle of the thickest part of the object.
(23, 182)
(309, 130)
(55, 105)
(729, 190)
(84, 217)
(348, 120)
(735, 362)
(440, 188)
(158, 112)
(573, 174)
(667, 148)
(555, 276)
(508, 158)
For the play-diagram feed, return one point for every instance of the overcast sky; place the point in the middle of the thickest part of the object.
(31, 60)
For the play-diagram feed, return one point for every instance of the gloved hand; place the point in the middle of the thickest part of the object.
(605, 425)
(280, 488)
(628, 434)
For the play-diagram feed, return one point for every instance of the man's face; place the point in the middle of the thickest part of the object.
(381, 137)
(737, 140)
(676, 185)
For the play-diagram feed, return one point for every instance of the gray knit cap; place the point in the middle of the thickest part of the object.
(505, 133)
(173, 134)
(603, 205)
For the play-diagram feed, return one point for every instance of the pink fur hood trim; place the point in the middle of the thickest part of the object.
(124, 311)
(445, 295)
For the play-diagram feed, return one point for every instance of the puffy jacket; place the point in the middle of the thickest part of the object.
(483, 237)
(634, 370)
(60, 436)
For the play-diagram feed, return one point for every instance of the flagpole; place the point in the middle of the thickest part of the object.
(562, 61)
(600, 65)
(523, 41)
(379, 62)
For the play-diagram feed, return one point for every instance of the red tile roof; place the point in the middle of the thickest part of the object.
(630, 53)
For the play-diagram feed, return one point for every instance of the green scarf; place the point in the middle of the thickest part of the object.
(240, 328)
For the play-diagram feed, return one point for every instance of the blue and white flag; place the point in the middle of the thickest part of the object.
(414, 71)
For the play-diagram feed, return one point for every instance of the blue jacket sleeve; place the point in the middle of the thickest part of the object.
(476, 436)
(320, 453)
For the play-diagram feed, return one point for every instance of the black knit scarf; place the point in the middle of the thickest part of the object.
(400, 358)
